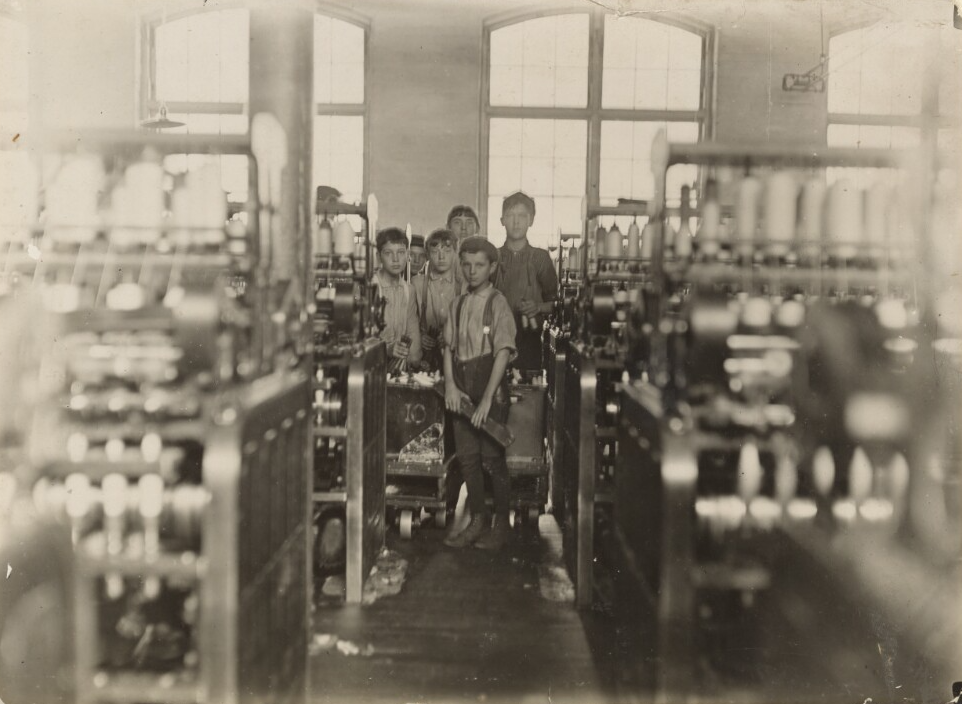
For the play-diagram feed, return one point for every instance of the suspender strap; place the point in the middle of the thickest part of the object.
(487, 319)
(424, 303)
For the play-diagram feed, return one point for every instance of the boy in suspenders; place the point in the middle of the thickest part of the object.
(479, 341)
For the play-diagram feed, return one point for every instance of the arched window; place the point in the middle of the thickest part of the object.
(199, 66)
(551, 133)
(880, 92)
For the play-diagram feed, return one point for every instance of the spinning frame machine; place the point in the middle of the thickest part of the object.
(350, 385)
(792, 408)
(171, 437)
(587, 353)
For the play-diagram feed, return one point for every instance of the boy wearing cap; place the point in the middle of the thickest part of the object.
(401, 329)
(478, 344)
(527, 278)
(417, 255)
(434, 289)
(463, 222)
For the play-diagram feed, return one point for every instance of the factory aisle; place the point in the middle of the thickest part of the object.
(467, 626)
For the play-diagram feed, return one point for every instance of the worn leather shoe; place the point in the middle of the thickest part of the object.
(497, 536)
(474, 530)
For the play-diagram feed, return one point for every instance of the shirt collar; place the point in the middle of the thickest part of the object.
(446, 276)
(482, 293)
(512, 253)
(384, 283)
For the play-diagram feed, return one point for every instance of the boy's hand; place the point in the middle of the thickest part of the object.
(452, 397)
(402, 349)
(481, 412)
(428, 341)
(528, 308)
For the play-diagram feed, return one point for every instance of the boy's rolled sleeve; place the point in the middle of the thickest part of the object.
(449, 341)
(503, 329)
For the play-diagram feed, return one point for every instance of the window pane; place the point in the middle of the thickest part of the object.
(684, 90)
(650, 65)
(879, 69)
(653, 44)
(541, 62)
(505, 137)
(504, 174)
(506, 85)
(338, 61)
(618, 88)
(651, 89)
(549, 164)
(843, 91)
(204, 57)
(685, 50)
(339, 155)
(626, 158)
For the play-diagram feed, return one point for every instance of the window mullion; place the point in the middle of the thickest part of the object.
(596, 57)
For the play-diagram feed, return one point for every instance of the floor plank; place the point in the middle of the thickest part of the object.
(467, 626)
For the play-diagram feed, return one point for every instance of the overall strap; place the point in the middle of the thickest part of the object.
(457, 322)
(424, 301)
(487, 318)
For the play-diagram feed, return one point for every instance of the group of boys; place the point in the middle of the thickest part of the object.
(471, 318)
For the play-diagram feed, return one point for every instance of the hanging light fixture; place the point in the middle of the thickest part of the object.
(160, 122)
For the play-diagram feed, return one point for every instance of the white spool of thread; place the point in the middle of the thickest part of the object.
(324, 239)
(746, 214)
(615, 243)
(601, 241)
(876, 209)
(634, 240)
(574, 258)
(648, 239)
(843, 218)
(811, 204)
(344, 239)
(780, 206)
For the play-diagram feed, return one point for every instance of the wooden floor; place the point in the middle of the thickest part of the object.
(467, 626)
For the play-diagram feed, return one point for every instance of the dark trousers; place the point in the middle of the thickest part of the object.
(476, 454)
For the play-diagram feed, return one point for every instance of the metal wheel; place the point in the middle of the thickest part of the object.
(440, 517)
(407, 523)
(533, 514)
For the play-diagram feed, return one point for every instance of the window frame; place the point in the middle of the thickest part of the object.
(593, 113)
(149, 105)
(929, 117)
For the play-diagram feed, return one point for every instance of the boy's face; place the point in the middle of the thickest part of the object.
(418, 256)
(394, 257)
(442, 256)
(463, 226)
(516, 220)
(477, 268)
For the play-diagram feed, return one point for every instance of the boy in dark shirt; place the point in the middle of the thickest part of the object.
(478, 344)
(527, 278)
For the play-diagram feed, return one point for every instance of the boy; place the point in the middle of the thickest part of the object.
(463, 222)
(434, 289)
(478, 344)
(401, 331)
(417, 255)
(527, 278)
